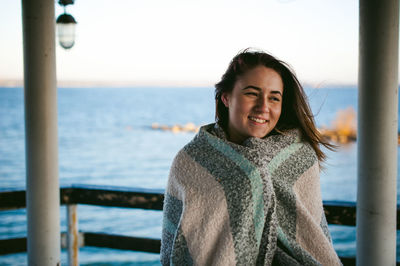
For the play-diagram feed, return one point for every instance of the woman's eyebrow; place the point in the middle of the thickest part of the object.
(252, 87)
(259, 89)
(276, 92)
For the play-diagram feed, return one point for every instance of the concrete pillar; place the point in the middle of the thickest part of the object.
(40, 94)
(377, 132)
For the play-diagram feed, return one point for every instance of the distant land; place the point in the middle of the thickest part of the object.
(15, 83)
(10, 83)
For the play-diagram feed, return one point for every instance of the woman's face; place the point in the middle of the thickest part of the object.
(254, 104)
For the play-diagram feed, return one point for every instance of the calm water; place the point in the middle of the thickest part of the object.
(105, 138)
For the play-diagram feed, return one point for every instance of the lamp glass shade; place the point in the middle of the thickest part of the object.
(66, 30)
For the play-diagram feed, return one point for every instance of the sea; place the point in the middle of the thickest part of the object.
(106, 137)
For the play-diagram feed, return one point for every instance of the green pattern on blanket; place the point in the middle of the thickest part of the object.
(181, 254)
(237, 188)
(282, 157)
(255, 179)
(298, 158)
(172, 213)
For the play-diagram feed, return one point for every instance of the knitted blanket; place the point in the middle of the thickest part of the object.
(258, 203)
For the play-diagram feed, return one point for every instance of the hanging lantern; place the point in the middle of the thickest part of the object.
(66, 30)
(66, 26)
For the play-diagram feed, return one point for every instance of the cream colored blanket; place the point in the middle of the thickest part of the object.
(258, 203)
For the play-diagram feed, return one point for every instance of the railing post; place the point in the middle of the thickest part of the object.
(72, 235)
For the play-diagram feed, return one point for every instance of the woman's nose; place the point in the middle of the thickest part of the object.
(263, 104)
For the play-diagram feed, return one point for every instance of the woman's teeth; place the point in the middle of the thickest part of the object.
(258, 120)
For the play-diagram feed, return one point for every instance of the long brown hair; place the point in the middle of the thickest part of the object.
(296, 112)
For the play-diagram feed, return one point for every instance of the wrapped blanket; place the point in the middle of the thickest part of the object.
(258, 203)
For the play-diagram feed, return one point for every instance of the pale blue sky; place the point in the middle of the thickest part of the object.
(187, 42)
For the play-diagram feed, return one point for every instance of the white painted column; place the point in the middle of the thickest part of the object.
(42, 186)
(377, 132)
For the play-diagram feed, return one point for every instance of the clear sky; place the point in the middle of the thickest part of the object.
(190, 43)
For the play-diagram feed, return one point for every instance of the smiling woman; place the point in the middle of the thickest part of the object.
(245, 190)
(294, 111)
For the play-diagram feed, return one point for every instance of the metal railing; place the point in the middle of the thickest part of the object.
(337, 212)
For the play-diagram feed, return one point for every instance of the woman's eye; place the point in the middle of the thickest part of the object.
(275, 99)
(251, 93)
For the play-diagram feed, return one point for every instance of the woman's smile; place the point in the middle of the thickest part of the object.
(258, 120)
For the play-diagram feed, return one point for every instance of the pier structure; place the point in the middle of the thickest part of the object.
(377, 129)
(377, 132)
(336, 212)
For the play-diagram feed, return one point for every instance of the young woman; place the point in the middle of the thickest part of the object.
(245, 190)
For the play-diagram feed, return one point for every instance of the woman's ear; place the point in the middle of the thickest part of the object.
(225, 99)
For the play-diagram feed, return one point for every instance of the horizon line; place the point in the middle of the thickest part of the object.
(15, 83)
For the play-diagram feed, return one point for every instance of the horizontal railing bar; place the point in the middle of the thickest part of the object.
(17, 245)
(122, 242)
(93, 195)
(12, 245)
(117, 188)
(11, 200)
(109, 197)
(341, 212)
(91, 239)
(112, 241)
(337, 212)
